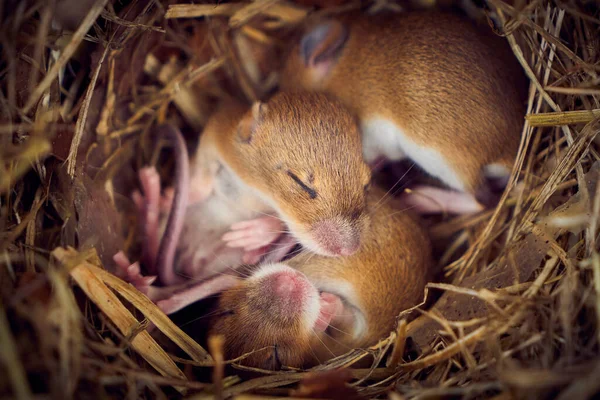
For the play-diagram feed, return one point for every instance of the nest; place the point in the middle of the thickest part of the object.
(517, 315)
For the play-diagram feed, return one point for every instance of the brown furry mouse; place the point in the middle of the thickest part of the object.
(312, 308)
(428, 86)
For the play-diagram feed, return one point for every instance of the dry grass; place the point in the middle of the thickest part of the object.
(518, 314)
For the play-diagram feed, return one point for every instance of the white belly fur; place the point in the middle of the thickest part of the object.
(201, 253)
(382, 137)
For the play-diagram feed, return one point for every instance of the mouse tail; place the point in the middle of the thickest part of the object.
(168, 245)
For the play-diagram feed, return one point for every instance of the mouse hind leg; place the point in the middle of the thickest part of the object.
(131, 273)
(149, 209)
(425, 199)
(493, 179)
(148, 205)
(190, 293)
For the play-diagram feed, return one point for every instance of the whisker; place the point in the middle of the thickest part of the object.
(395, 184)
(391, 193)
(323, 343)
(337, 341)
(401, 211)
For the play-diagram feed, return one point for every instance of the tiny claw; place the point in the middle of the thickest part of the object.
(149, 280)
(122, 260)
(134, 270)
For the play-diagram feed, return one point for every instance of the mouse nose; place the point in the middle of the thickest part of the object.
(287, 285)
(336, 237)
(286, 290)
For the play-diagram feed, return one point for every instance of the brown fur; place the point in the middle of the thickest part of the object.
(388, 275)
(307, 134)
(446, 83)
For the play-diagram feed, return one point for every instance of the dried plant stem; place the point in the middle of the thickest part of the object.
(155, 315)
(108, 302)
(66, 54)
(81, 121)
(563, 118)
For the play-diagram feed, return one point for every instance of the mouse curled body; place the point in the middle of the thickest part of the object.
(311, 308)
(291, 164)
(428, 86)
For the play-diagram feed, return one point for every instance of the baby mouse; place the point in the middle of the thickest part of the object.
(312, 308)
(428, 86)
(298, 156)
(293, 163)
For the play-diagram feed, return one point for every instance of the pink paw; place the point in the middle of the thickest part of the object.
(255, 235)
(131, 273)
(281, 248)
(271, 253)
(149, 208)
(331, 306)
(433, 200)
(253, 256)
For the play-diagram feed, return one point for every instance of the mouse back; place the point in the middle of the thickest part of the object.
(445, 91)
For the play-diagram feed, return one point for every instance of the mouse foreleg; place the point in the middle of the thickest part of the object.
(255, 236)
(279, 249)
(331, 307)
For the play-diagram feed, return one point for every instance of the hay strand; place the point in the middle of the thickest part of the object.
(65, 55)
(562, 118)
(103, 297)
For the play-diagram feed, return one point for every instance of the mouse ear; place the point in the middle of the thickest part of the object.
(323, 42)
(250, 122)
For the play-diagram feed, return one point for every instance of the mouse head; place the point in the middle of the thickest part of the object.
(310, 62)
(303, 154)
(275, 315)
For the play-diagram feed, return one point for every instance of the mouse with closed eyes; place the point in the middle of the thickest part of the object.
(292, 164)
(425, 85)
(311, 308)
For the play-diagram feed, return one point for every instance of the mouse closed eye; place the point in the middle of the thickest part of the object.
(312, 308)
(291, 165)
(428, 86)
(308, 187)
(302, 154)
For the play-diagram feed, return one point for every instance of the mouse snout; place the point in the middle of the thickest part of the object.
(290, 289)
(336, 237)
(285, 292)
